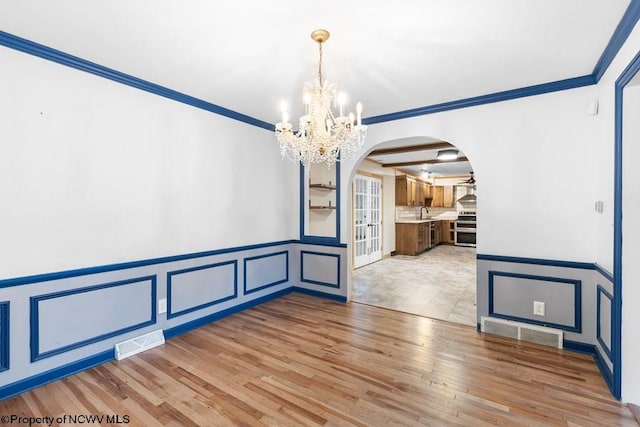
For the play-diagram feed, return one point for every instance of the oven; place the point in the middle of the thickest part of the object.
(465, 228)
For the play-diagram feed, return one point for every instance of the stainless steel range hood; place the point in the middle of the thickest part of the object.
(468, 201)
(467, 198)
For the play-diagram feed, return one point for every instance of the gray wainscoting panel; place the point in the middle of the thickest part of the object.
(4, 335)
(541, 280)
(320, 268)
(267, 270)
(199, 287)
(605, 301)
(512, 296)
(65, 320)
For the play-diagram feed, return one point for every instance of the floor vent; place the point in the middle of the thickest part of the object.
(522, 331)
(139, 344)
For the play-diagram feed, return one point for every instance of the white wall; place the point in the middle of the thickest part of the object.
(605, 191)
(630, 246)
(534, 161)
(93, 172)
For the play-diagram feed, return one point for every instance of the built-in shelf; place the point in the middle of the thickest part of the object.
(323, 186)
(321, 208)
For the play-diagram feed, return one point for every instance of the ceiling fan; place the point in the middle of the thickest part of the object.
(471, 180)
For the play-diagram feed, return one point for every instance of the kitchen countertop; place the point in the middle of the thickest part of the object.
(441, 217)
(416, 221)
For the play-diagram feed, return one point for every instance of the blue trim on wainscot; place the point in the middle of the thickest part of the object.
(5, 332)
(577, 299)
(602, 291)
(537, 261)
(186, 327)
(593, 351)
(319, 294)
(55, 374)
(45, 52)
(317, 282)
(616, 317)
(620, 35)
(579, 347)
(35, 319)
(170, 274)
(606, 274)
(285, 279)
(133, 264)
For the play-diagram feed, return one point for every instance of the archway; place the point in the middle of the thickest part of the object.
(440, 280)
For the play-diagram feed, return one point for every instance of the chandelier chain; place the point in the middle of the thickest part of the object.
(320, 63)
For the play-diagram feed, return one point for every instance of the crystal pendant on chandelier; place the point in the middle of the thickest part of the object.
(321, 137)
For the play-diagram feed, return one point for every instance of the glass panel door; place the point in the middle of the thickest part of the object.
(367, 217)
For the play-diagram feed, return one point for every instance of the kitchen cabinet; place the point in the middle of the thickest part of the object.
(402, 188)
(438, 197)
(448, 199)
(442, 196)
(436, 233)
(412, 238)
(448, 229)
(410, 191)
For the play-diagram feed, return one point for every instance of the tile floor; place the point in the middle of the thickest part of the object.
(440, 283)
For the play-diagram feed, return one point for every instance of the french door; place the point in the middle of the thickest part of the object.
(367, 217)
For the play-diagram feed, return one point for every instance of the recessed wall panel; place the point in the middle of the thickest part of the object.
(65, 320)
(199, 287)
(4, 335)
(320, 268)
(604, 303)
(511, 296)
(263, 271)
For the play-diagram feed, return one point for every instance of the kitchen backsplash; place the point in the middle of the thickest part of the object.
(413, 212)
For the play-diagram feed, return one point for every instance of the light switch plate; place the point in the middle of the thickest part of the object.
(162, 306)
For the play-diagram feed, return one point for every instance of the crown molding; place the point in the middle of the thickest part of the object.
(36, 49)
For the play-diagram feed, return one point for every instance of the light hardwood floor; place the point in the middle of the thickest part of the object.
(301, 360)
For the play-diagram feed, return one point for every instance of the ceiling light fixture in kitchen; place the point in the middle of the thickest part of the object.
(448, 154)
(321, 137)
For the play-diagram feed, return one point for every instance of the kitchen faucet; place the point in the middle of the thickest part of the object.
(425, 208)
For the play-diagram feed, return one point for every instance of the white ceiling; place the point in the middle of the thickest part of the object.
(250, 55)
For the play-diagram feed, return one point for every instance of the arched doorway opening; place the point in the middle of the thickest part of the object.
(410, 248)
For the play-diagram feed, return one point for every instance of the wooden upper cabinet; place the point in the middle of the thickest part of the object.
(401, 190)
(428, 190)
(438, 196)
(411, 192)
(442, 196)
(448, 201)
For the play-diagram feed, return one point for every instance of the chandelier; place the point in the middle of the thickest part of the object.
(321, 137)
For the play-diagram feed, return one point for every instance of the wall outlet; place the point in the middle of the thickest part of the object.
(538, 308)
(162, 306)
